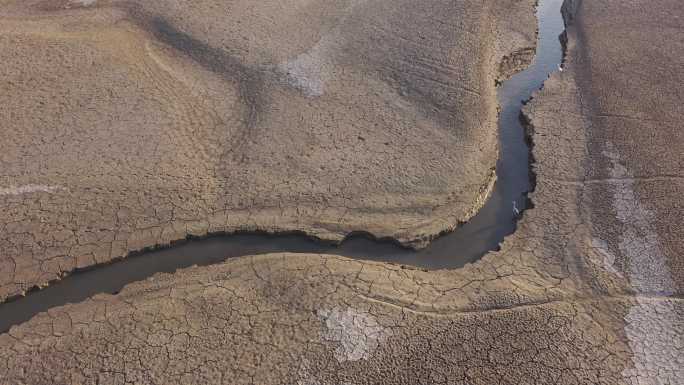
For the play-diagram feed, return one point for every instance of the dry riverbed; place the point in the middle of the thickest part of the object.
(133, 124)
(587, 291)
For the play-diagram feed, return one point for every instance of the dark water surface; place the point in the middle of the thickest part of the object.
(468, 243)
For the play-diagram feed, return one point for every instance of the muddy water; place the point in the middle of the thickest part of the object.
(470, 242)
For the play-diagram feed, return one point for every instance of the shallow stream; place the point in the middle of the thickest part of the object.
(483, 233)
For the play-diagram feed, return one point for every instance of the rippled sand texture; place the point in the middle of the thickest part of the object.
(127, 125)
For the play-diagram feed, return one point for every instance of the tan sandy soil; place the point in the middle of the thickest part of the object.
(132, 124)
(631, 72)
(574, 297)
(305, 319)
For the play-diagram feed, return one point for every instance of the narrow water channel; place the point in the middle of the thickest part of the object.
(468, 243)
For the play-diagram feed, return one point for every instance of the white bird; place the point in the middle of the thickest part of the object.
(516, 212)
(560, 68)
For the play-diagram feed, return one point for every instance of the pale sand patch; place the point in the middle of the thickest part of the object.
(654, 329)
(602, 248)
(28, 189)
(309, 71)
(655, 332)
(647, 267)
(358, 334)
(306, 71)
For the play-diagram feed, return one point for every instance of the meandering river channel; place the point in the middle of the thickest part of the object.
(468, 243)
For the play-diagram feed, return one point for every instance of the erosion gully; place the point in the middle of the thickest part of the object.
(483, 233)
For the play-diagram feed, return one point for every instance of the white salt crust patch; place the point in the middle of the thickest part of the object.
(655, 329)
(306, 71)
(602, 248)
(309, 71)
(28, 189)
(357, 333)
(646, 263)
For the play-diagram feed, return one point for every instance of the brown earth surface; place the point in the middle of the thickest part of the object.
(133, 124)
(587, 291)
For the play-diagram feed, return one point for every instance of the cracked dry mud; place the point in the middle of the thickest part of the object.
(587, 291)
(133, 124)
